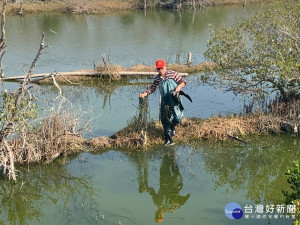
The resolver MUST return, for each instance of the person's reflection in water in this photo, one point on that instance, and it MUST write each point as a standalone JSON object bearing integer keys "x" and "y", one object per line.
{"x": 167, "y": 199}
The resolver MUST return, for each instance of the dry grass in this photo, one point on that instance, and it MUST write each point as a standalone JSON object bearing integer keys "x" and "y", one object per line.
{"x": 191, "y": 129}
{"x": 231, "y": 2}
{"x": 48, "y": 141}
{"x": 53, "y": 138}
{"x": 112, "y": 72}
{"x": 71, "y": 6}
{"x": 176, "y": 67}
{"x": 36, "y": 8}
{"x": 143, "y": 68}
{"x": 95, "y": 6}
{"x": 289, "y": 111}
{"x": 191, "y": 68}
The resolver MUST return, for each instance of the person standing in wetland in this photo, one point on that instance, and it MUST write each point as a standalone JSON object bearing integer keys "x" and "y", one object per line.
{"x": 171, "y": 111}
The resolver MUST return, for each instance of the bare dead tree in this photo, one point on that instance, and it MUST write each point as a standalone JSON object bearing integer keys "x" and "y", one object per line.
{"x": 3, "y": 37}
{"x": 50, "y": 140}
{"x": 21, "y": 91}
{"x": 9, "y": 128}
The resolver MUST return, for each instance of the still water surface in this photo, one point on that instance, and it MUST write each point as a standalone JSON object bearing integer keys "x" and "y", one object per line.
{"x": 138, "y": 37}
{"x": 192, "y": 184}
{"x": 79, "y": 41}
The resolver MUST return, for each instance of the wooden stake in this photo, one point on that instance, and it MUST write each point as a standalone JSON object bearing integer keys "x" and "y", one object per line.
{"x": 189, "y": 60}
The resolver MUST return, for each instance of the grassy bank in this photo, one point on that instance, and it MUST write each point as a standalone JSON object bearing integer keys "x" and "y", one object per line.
{"x": 57, "y": 135}
{"x": 281, "y": 118}
{"x": 190, "y": 130}
{"x": 77, "y": 7}
{"x": 96, "y": 6}
{"x": 53, "y": 138}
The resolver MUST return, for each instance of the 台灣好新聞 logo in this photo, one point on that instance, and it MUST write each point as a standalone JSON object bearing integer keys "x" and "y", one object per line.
{"x": 233, "y": 211}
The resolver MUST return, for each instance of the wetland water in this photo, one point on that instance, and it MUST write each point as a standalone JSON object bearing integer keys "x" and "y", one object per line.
{"x": 191, "y": 184}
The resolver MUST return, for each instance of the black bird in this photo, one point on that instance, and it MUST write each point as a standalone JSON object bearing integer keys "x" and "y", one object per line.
{"x": 176, "y": 97}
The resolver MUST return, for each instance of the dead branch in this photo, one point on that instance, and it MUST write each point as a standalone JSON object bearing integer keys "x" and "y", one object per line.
{"x": 22, "y": 89}
{"x": 42, "y": 47}
{"x": 3, "y": 37}
{"x": 11, "y": 171}
{"x": 56, "y": 85}
{"x": 108, "y": 57}
{"x": 104, "y": 63}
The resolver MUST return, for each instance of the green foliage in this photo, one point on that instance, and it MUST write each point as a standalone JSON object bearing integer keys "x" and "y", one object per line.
{"x": 297, "y": 204}
{"x": 260, "y": 54}
{"x": 293, "y": 178}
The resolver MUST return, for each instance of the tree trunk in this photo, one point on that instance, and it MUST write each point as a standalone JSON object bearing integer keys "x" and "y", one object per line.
{"x": 194, "y": 4}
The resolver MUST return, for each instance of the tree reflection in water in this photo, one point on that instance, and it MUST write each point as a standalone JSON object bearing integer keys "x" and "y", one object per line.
{"x": 257, "y": 168}
{"x": 22, "y": 202}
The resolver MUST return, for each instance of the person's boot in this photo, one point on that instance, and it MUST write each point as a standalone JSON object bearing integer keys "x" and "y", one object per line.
{"x": 168, "y": 139}
{"x": 173, "y": 132}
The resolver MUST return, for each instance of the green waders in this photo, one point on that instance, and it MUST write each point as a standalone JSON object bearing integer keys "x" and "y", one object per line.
{"x": 170, "y": 112}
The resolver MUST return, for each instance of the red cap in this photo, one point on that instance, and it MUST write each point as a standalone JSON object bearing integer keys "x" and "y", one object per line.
{"x": 160, "y": 63}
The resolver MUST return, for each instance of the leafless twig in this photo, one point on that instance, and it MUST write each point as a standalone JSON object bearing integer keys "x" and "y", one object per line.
{"x": 56, "y": 85}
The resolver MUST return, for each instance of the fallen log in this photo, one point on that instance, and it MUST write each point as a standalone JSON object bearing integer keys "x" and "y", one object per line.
{"x": 87, "y": 73}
